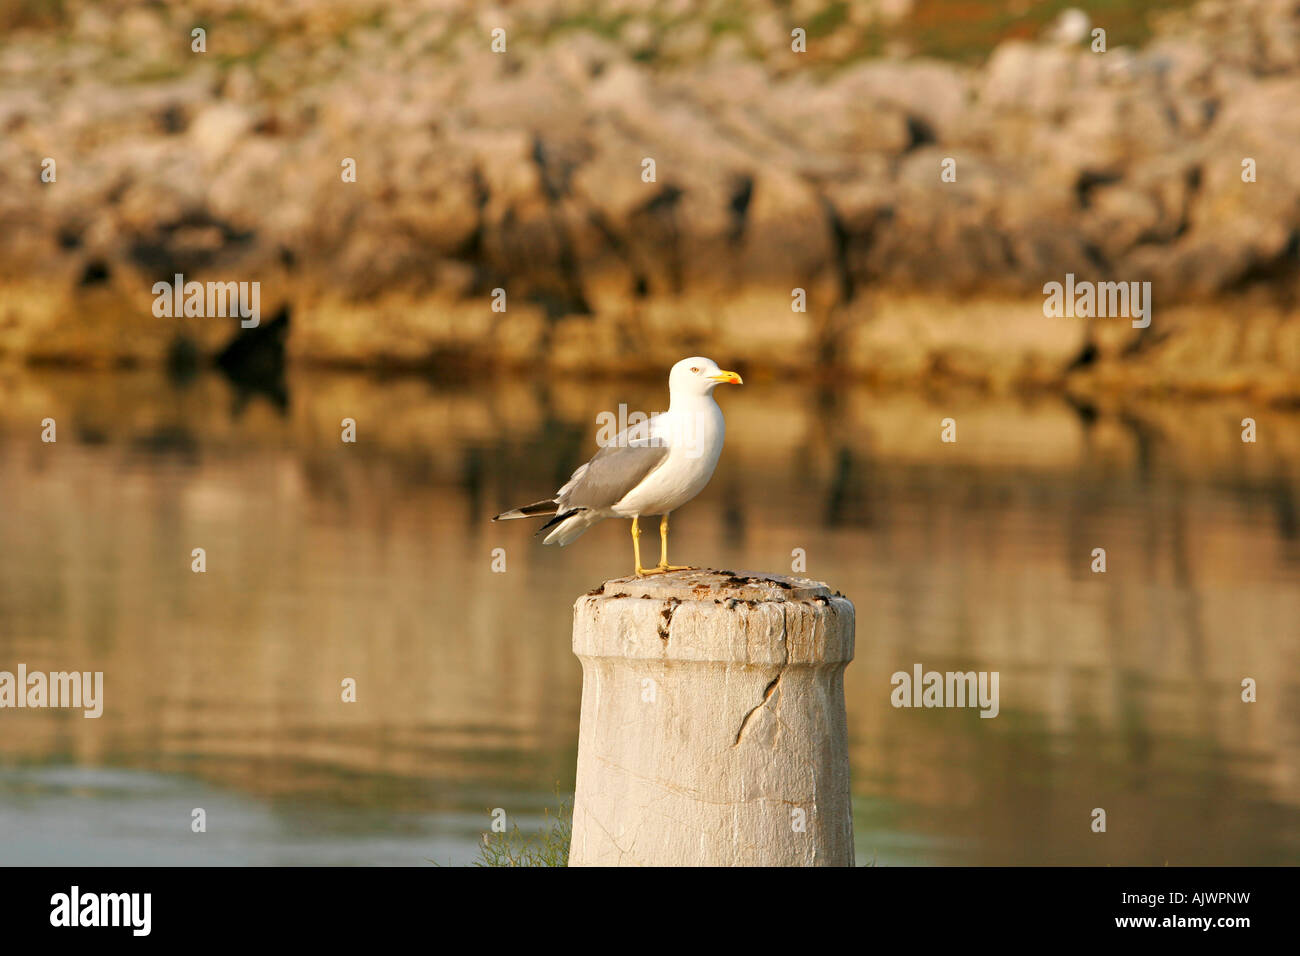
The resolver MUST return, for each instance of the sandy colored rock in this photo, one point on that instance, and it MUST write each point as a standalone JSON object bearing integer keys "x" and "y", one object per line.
{"x": 523, "y": 171}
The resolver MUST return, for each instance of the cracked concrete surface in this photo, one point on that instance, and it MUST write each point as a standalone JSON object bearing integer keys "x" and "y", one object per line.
{"x": 714, "y": 734}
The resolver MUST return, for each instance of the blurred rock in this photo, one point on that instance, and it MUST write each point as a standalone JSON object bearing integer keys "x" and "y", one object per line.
{"x": 524, "y": 171}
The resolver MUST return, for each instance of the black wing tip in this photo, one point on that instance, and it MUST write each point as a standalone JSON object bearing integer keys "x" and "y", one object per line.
{"x": 536, "y": 509}
{"x": 560, "y": 516}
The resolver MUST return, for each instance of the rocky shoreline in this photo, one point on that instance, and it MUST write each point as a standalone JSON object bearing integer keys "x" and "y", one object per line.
{"x": 523, "y": 171}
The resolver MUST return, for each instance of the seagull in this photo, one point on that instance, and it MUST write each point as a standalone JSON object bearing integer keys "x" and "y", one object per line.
{"x": 650, "y": 468}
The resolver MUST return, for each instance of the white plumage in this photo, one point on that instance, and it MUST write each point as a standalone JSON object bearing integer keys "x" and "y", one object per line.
{"x": 651, "y": 468}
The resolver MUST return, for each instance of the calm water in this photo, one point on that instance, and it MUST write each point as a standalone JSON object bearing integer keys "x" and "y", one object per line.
{"x": 374, "y": 561}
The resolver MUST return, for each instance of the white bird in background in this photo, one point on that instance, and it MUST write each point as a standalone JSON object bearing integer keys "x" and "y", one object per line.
{"x": 651, "y": 468}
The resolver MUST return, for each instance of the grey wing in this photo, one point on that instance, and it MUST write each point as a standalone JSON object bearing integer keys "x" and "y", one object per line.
{"x": 614, "y": 471}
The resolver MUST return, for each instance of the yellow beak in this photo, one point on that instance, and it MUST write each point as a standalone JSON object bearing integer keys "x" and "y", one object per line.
{"x": 727, "y": 378}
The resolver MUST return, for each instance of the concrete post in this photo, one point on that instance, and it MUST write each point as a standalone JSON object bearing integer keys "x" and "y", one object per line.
{"x": 713, "y": 729}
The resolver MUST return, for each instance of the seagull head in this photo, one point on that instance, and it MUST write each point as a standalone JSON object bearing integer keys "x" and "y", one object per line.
{"x": 698, "y": 376}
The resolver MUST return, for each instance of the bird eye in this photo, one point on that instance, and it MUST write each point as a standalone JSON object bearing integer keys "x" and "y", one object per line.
{"x": 696, "y": 371}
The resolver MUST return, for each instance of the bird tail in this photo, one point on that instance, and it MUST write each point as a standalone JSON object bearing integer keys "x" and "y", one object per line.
{"x": 569, "y": 526}
{"x": 548, "y": 507}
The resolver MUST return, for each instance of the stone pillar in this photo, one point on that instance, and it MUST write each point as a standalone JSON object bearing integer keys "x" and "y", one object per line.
{"x": 713, "y": 729}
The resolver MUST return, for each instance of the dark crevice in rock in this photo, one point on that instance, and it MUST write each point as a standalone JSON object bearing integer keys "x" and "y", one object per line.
{"x": 554, "y": 174}
{"x": 1085, "y": 409}
{"x": 1088, "y": 355}
{"x": 657, "y": 222}
{"x": 471, "y": 250}
{"x": 569, "y": 298}
{"x": 1088, "y": 181}
{"x": 919, "y": 133}
{"x": 1096, "y": 257}
{"x": 96, "y": 272}
{"x": 741, "y": 195}
{"x": 172, "y": 120}
{"x": 1144, "y": 340}
{"x": 840, "y": 245}
{"x": 1010, "y": 261}
{"x": 827, "y": 332}
{"x": 664, "y": 201}
{"x": 1285, "y": 265}
{"x": 69, "y": 236}
{"x": 253, "y": 361}
{"x": 167, "y": 250}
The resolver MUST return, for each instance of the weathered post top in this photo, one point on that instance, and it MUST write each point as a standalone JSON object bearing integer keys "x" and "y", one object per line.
{"x": 697, "y": 596}
{"x": 713, "y": 729}
{"x": 710, "y": 583}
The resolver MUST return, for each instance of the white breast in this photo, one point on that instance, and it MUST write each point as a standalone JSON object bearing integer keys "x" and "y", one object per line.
{"x": 694, "y": 435}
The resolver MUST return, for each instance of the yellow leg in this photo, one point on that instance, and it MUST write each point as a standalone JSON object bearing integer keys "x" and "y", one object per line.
{"x": 636, "y": 548}
{"x": 663, "y": 551}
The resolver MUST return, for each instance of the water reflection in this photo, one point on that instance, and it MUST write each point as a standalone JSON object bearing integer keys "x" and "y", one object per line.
{"x": 373, "y": 561}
